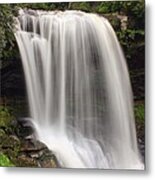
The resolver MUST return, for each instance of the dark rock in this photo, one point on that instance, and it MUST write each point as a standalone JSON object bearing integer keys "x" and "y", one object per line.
{"x": 32, "y": 146}
{"x": 24, "y": 127}
{"x": 25, "y": 121}
{"x": 48, "y": 159}
{"x": 11, "y": 142}
{"x": 24, "y": 161}
{"x": 36, "y": 155}
{"x": 38, "y": 151}
{"x": 23, "y": 149}
{"x": 50, "y": 163}
{"x": 140, "y": 127}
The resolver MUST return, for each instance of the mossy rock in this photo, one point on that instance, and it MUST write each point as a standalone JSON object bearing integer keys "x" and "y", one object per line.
{"x": 48, "y": 160}
{"x": 10, "y": 146}
{"x": 9, "y": 142}
{"x": 37, "y": 153}
{"x": 23, "y": 152}
{"x": 49, "y": 163}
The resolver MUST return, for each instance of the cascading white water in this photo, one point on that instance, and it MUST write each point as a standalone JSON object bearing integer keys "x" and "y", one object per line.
{"x": 78, "y": 88}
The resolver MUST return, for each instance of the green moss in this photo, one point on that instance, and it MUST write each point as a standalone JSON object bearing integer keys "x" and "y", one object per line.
{"x": 4, "y": 161}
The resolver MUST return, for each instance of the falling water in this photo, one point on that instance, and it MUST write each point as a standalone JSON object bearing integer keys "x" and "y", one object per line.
{"x": 78, "y": 87}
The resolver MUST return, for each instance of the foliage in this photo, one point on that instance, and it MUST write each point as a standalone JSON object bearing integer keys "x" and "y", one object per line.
{"x": 136, "y": 13}
{"x": 133, "y": 9}
{"x": 44, "y": 6}
{"x": 140, "y": 112}
{"x": 5, "y": 116}
{"x": 131, "y": 40}
{"x": 4, "y": 161}
{"x": 83, "y": 6}
{"x": 7, "y": 40}
{"x": 108, "y": 7}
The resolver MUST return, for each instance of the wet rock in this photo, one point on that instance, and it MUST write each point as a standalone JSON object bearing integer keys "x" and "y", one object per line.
{"x": 23, "y": 149}
{"x": 48, "y": 159}
{"x": 140, "y": 127}
{"x": 24, "y": 127}
{"x": 32, "y": 146}
{"x": 50, "y": 163}
{"x": 36, "y": 155}
{"x": 38, "y": 151}
{"x": 24, "y": 161}
{"x": 11, "y": 142}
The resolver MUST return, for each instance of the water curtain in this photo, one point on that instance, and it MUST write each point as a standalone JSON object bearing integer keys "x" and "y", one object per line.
{"x": 78, "y": 87}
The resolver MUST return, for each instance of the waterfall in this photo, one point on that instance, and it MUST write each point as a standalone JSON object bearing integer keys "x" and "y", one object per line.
{"x": 78, "y": 87}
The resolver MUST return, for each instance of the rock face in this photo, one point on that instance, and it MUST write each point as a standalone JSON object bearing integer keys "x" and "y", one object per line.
{"x": 23, "y": 127}
{"x": 33, "y": 153}
{"x": 23, "y": 149}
